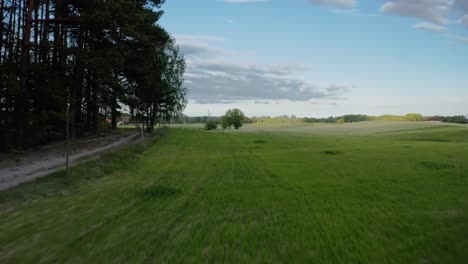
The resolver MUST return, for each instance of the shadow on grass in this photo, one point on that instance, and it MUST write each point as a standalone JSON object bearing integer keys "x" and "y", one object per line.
{"x": 437, "y": 166}
{"x": 159, "y": 192}
{"x": 58, "y": 184}
{"x": 331, "y": 152}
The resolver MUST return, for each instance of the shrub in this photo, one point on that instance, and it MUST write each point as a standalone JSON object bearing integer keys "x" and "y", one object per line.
{"x": 414, "y": 117}
{"x": 235, "y": 117}
{"x": 211, "y": 125}
{"x": 340, "y": 121}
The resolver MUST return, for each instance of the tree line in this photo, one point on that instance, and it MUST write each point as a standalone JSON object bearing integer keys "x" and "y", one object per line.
{"x": 83, "y": 61}
{"x": 184, "y": 119}
{"x": 408, "y": 117}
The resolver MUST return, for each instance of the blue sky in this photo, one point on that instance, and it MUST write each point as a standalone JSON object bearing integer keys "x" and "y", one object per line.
{"x": 323, "y": 57}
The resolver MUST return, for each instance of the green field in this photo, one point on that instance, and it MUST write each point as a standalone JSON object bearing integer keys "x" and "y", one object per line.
{"x": 375, "y": 192}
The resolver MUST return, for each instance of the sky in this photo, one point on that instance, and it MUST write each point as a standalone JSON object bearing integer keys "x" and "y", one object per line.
{"x": 319, "y": 58}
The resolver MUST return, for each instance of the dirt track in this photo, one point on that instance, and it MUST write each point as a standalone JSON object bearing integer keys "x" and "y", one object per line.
{"x": 33, "y": 164}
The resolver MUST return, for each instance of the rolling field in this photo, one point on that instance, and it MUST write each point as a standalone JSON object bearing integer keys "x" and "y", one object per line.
{"x": 375, "y": 192}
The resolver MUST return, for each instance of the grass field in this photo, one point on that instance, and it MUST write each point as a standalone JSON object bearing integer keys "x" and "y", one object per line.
{"x": 359, "y": 193}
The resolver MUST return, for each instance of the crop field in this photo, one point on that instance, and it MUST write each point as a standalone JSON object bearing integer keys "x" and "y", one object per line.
{"x": 372, "y": 192}
{"x": 360, "y": 128}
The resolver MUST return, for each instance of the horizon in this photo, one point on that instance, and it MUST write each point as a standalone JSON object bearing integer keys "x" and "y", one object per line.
{"x": 323, "y": 57}
{"x": 302, "y": 117}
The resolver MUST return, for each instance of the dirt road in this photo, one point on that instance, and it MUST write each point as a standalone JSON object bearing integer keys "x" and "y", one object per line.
{"x": 17, "y": 169}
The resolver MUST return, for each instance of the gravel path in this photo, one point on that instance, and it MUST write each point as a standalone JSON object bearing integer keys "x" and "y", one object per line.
{"x": 40, "y": 162}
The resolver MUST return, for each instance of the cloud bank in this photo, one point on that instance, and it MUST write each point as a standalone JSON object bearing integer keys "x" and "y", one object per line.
{"x": 210, "y": 79}
{"x": 335, "y": 3}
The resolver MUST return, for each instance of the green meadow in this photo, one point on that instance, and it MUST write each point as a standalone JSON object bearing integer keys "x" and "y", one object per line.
{"x": 372, "y": 192}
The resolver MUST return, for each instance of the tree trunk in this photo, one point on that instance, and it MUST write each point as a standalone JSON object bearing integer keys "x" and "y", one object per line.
{"x": 114, "y": 114}
{"x": 22, "y": 100}
{"x": 2, "y": 7}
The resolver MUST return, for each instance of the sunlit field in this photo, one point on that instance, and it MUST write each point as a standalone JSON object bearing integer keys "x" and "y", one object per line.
{"x": 360, "y": 128}
{"x": 372, "y": 192}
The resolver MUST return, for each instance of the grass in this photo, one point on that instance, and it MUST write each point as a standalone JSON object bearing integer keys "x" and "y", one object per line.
{"x": 347, "y": 129}
{"x": 195, "y": 196}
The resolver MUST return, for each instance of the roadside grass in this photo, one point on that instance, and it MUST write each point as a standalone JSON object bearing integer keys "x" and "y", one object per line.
{"x": 58, "y": 183}
{"x": 197, "y": 196}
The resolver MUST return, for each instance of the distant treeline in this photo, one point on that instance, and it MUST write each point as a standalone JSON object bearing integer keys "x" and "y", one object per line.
{"x": 450, "y": 119}
{"x": 408, "y": 117}
{"x": 201, "y": 119}
{"x": 332, "y": 119}
{"x": 339, "y": 119}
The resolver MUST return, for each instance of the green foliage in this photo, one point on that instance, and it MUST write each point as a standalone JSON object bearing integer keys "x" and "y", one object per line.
{"x": 235, "y": 118}
{"x": 100, "y": 55}
{"x": 355, "y": 118}
{"x": 211, "y": 125}
{"x": 330, "y": 119}
{"x": 225, "y": 124}
{"x": 340, "y": 121}
{"x": 455, "y": 119}
{"x": 408, "y": 117}
{"x": 414, "y": 117}
{"x": 248, "y": 120}
{"x": 388, "y": 118}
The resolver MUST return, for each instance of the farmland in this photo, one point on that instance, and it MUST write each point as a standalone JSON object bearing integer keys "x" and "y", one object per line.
{"x": 372, "y": 192}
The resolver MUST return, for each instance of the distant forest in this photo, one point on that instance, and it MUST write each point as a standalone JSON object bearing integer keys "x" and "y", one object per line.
{"x": 183, "y": 119}
{"x": 408, "y": 117}
{"x": 81, "y": 61}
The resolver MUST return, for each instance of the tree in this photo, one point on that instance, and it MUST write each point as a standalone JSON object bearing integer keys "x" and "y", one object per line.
{"x": 414, "y": 117}
{"x": 88, "y": 56}
{"x": 225, "y": 122}
{"x": 455, "y": 119}
{"x": 235, "y": 118}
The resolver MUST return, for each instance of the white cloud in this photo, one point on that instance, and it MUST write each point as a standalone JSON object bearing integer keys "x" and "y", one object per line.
{"x": 353, "y": 12}
{"x": 200, "y": 45}
{"x": 461, "y": 6}
{"x": 438, "y": 14}
{"x": 367, "y": 104}
{"x": 429, "y": 27}
{"x": 464, "y": 21}
{"x": 335, "y": 3}
{"x": 462, "y": 39}
{"x": 222, "y": 82}
{"x": 209, "y": 78}
{"x": 436, "y": 11}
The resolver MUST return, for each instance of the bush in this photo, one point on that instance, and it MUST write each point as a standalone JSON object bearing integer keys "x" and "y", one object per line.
{"x": 211, "y": 125}
{"x": 234, "y": 117}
